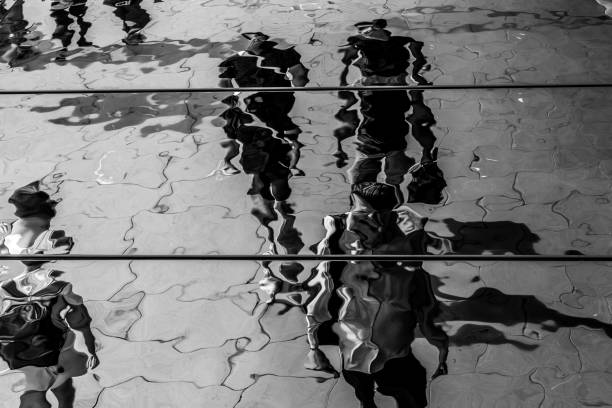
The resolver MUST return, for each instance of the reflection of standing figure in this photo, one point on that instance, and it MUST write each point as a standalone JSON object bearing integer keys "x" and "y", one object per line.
{"x": 14, "y": 34}
{"x": 382, "y": 58}
{"x": 264, "y": 65}
{"x": 371, "y": 309}
{"x": 31, "y": 232}
{"x": 37, "y": 319}
{"x": 268, "y": 159}
{"x": 63, "y": 13}
{"x": 350, "y": 122}
{"x": 38, "y": 313}
{"x": 134, "y": 18}
{"x": 381, "y": 135}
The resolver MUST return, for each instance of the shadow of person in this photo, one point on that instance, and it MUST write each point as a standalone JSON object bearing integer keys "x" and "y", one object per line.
{"x": 120, "y": 111}
{"x": 164, "y": 53}
{"x": 492, "y": 306}
{"x": 493, "y": 237}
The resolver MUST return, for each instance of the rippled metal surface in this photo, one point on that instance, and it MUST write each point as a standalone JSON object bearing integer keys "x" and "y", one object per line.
{"x": 347, "y": 172}
{"x": 146, "y": 43}
{"x": 175, "y": 333}
{"x": 526, "y": 171}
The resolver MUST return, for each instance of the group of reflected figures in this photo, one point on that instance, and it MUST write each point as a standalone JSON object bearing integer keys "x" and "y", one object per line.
{"x": 21, "y": 42}
{"x": 369, "y": 310}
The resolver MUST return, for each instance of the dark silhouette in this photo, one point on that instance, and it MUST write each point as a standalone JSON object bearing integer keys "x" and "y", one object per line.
{"x": 382, "y": 58}
{"x": 15, "y": 35}
{"x": 388, "y": 116}
{"x": 264, "y": 65}
{"x": 267, "y": 159}
{"x": 64, "y": 14}
{"x": 37, "y": 338}
{"x": 134, "y": 18}
{"x": 490, "y": 305}
{"x": 493, "y": 237}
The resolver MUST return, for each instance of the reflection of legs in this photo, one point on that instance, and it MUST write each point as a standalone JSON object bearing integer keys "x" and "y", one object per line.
{"x": 405, "y": 380}
{"x": 134, "y": 18}
{"x": 363, "y": 384}
{"x": 79, "y": 12}
{"x": 34, "y": 399}
{"x": 65, "y": 394}
{"x": 62, "y": 23}
{"x": 365, "y": 168}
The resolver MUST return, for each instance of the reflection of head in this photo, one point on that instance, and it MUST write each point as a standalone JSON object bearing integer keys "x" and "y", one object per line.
{"x": 374, "y": 29}
{"x": 379, "y": 196}
{"x": 259, "y": 42}
{"x": 31, "y": 201}
{"x": 377, "y": 24}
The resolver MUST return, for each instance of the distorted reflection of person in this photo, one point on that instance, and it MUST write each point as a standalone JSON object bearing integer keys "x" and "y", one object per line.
{"x": 370, "y": 309}
{"x": 31, "y": 232}
{"x": 65, "y": 13}
{"x": 427, "y": 181}
{"x": 134, "y": 18}
{"x": 39, "y": 313}
{"x": 267, "y": 159}
{"x": 383, "y": 58}
{"x": 16, "y": 35}
{"x": 262, "y": 64}
{"x": 38, "y": 320}
{"x": 387, "y": 117}
{"x": 375, "y": 307}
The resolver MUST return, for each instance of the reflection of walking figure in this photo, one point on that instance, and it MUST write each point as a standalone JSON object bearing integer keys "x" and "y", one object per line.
{"x": 383, "y": 58}
{"x": 267, "y": 159}
{"x": 39, "y": 312}
{"x": 65, "y": 13}
{"x": 381, "y": 135}
{"x": 371, "y": 309}
{"x": 134, "y": 18}
{"x": 37, "y": 319}
{"x": 15, "y": 34}
{"x": 264, "y": 65}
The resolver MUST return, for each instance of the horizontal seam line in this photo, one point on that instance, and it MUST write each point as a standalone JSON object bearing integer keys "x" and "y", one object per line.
{"x": 304, "y": 89}
{"x": 399, "y": 257}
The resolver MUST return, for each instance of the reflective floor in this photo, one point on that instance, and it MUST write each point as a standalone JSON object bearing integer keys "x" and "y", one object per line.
{"x": 351, "y": 171}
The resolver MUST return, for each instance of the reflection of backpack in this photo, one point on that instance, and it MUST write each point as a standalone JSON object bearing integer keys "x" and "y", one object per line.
{"x": 28, "y": 335}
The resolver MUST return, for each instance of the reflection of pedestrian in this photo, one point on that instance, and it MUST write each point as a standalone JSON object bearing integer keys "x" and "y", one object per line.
{"x": 371, "y": 309}
{"x": 14, "y": 34}
{"x": 264, "y": 65}
{"x": 134, "y": 18}
{"x": 387, "y": 117}
{"x": 31, "y": 232}
{"x": 383, "y": 58}
{"x": 37, "y": 319}
{"x": 65, "y": 13}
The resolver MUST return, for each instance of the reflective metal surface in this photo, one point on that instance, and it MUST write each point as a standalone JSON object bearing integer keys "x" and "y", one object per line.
{"x": 527, "y": 171}
{"x": 146, "y": 43}
{"x": 302, "y": 171}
